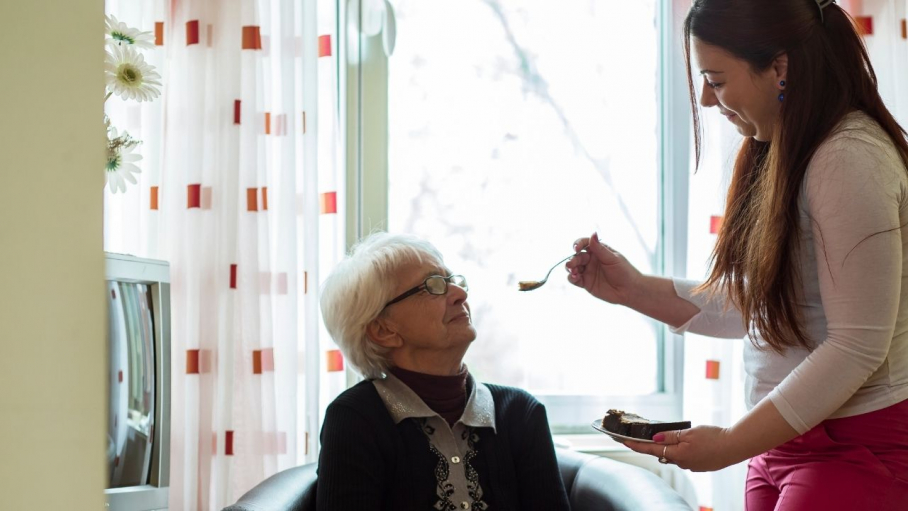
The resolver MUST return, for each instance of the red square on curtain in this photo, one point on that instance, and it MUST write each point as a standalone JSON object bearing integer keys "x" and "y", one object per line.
{"x": 192, "y": 361}
{"x": 256, "y": 361}
{"x": 715, "y": 223}
{"x": 159, "y": 33}
{"x": 192, "y": 32}
{"x": 193, "y": 196}
{"x": 904, "y": 28}
{"x": 327, "y": 203}
{"x": 236, "y": 111}
{"x": 232, "y": 276}
{"x": 119, "y": 376}
{"x": 267, "y": 123}
{"x": 335, "y": 361}
{"x": 264, "y": 198}
{"x": 705, "y": 508}
{"x": 252, "y": 37}
{"x": 228, "y": 443}
{"x": 324, "y": 45}
{"x": 153, "y": 199}
{"x": 712, "y": 369}
{"x": 865, "y": 24}
{"x": 252, "y": 202}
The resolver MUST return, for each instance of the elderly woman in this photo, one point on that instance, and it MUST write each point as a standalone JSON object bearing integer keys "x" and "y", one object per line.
{"x": 420, "y": 433}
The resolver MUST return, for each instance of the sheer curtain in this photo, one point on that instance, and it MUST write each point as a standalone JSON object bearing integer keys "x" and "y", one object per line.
{"x": 241, "y": 191}
{"x": 714, "y": 373}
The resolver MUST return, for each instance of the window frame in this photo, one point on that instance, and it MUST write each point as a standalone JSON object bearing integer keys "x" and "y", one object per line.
{"x": 365, "y": 113}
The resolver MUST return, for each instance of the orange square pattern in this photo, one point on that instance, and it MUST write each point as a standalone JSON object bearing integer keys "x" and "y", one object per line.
{"x": 904, "y": 28}
{"x": 154, "y": 198}
{"x": 712, "y": 369}
{"x": 232, "y": 276}
{"x": 324, "y": 45}
{"x": 228, "y": 447}
{"x": 194, "y": 196}
{"x": 252, "y": 37}
{"x": 192, "y": 361}
{"x": 335, "y": 361}
{"x": 236, "y": 111}
{"x": 262, "y": 360}
{"x": 252, "y": 201}
{"x": 267, "y": 123}
{"x": 159, "y": 33}
{"x": 715, "y": 223}
{"x": 192, "y": 32}
{"x": 865, "y": 24}
{"x": 264, "y": 198}
{"x": 327, "y": 203}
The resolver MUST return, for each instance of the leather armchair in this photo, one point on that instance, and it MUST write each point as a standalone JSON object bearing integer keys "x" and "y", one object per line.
{"x": 593, "y": 483}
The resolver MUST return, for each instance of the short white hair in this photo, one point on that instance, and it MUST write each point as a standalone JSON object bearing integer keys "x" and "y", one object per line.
{"x": 356, "y": 291}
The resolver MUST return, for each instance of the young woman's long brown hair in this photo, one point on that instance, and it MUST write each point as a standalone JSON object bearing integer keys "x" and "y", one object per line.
{"x": 829, "y": 75}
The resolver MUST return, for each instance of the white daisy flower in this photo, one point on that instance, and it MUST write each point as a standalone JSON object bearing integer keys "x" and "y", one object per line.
{"x": 121, "y": 161}
{"x": 129, "y": 76}
{"x": 122, "y": 35}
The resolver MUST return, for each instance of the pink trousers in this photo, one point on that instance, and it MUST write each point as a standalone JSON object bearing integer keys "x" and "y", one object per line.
{"x": 853, "y": 463}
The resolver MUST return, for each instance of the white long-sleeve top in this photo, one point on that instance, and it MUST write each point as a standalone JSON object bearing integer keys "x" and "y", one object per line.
{"x": 854, "y": 287}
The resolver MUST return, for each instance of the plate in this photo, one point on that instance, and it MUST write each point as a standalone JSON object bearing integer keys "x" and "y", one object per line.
{"x": 597, "y": 425}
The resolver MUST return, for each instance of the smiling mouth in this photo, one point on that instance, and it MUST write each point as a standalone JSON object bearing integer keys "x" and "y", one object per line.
{"x": 459, "y": 317}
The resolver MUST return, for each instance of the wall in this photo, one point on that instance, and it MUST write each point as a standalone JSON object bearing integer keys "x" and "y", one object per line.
{"x": 52, "y": 317}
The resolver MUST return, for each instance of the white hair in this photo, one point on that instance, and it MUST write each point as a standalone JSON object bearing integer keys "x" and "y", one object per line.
{"x": 356, "y": 291}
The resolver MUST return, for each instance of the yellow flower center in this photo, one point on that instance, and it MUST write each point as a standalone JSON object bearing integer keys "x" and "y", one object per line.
{"x": 129, "y": 75}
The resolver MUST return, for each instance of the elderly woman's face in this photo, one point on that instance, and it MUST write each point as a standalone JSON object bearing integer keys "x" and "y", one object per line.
{"x": 431, "y": 322}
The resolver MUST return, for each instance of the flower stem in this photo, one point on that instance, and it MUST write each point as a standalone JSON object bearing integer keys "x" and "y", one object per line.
{"x": 107, "y": 96}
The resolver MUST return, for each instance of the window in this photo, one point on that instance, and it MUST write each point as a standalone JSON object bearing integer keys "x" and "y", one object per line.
{"x": 512, "y": 130}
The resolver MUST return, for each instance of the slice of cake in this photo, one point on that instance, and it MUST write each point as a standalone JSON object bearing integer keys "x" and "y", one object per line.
{"x": 634, "y": 426}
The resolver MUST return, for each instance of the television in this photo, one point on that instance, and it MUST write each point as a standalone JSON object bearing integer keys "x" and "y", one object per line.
{"x": 138, "y": 421}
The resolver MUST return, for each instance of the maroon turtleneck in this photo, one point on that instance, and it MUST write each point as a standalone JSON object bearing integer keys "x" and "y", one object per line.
{"x": 445, "y": 395}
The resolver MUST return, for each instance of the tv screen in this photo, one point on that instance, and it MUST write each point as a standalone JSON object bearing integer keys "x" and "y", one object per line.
{"x": 138, "y": 429}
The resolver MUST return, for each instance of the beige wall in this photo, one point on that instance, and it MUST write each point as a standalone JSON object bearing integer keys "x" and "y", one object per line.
{"x": 52, "y": 318}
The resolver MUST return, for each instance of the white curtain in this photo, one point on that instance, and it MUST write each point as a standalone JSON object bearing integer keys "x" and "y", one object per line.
{"x": 714, "y": 373}
{"x": 241, "y": 191}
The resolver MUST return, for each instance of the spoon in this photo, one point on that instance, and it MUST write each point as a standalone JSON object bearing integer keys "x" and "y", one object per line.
{"x": 529, "y": 285}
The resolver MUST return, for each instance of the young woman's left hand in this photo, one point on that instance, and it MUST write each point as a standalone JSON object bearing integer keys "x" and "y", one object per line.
{"x": 699, "y": 449}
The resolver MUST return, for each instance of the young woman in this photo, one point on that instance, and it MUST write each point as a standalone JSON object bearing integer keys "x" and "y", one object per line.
{"x": 811, "y": 263}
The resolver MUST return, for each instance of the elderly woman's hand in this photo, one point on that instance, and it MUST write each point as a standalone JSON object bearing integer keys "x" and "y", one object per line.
{"x": 699, "y": 449}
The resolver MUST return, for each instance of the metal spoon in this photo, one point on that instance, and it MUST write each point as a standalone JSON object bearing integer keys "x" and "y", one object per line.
{"x": 529, "y": 285}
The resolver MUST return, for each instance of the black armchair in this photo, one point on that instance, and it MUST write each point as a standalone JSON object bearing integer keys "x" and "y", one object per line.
{"x": 593, "y": 483}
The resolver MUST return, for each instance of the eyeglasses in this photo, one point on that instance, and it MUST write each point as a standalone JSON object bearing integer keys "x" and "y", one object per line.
{"x": 434, "y": 285}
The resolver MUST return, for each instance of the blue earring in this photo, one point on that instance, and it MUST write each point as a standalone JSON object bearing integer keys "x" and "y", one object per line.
{"x": 782, "y": 83}
{"x": 782, "y": 97}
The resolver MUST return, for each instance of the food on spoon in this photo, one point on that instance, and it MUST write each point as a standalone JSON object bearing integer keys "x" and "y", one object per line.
{"x": 634, "y": 426}
{"x": 529, "y": 285}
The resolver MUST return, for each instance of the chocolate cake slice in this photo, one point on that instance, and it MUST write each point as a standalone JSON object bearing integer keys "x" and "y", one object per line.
{"x": 634, "y": 426}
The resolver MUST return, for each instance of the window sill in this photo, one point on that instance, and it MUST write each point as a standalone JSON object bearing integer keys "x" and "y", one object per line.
{"x": 592, "y": 444}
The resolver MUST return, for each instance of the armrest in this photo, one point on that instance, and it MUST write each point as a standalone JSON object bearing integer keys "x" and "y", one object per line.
{"x": 289, "y": 490}
{"x": 597, "y": 483}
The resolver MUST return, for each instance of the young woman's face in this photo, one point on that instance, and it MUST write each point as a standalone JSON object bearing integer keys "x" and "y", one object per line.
{"x": 748, "y": 100}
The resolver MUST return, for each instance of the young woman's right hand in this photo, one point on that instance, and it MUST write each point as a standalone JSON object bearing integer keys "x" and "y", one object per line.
{"x": 603, "y": 272}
